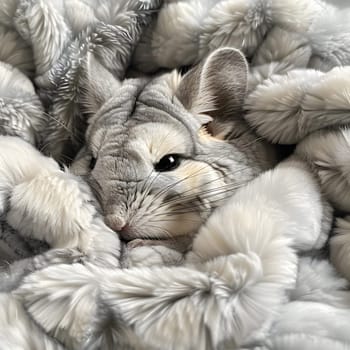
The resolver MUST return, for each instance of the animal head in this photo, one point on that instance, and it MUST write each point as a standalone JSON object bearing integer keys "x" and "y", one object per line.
{"x": 161, "y": 153}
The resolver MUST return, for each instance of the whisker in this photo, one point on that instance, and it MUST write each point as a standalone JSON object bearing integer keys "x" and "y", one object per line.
{"x": 160, "y": 229}
{"x": 173, "y": 219}
{"x": 65, "y": 127}
{"x": 148, "y": 182}
{"x": 65, "y": 157}
{"x": 180, "y": 197}
{"x": 44, "y": 147}
{"x": 59, "y": 122}
{"x": 146, "y": 185}
{"x": 146, "y": 193}
{"x": 167, "y": 188}
{"x": 188, "y": 206}
{"x": 161, "y": 192}
{"x": 257, "y": 139}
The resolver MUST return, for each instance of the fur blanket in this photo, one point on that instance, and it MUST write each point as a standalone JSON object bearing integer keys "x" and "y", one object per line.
{"x": 267, "y": 270}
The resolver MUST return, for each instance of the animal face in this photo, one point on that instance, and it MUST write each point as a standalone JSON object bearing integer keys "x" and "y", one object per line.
{"x": 155, "y": 164}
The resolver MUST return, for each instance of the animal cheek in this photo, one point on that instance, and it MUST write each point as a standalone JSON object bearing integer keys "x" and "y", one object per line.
{"x": 191, "y": 174}
{"x": 196, "y": 176}
{"x": 169, "y": 221}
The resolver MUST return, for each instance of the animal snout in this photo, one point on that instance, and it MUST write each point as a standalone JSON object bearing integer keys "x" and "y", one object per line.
{"x": 115, "y": 222}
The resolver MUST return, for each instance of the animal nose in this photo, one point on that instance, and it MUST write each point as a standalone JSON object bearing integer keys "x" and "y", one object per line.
{"x": 115, "y": 222}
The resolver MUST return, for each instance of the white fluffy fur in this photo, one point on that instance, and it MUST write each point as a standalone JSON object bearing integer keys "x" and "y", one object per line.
{"x": 234, "y": 282}
{"x": 286, "y": 194}
{"x": 15, "y": 51}
{"x": 48, "y": 204}
{"x": 327, "y": 327}
{"x": 18, "y": 332}
{"x": 44, "y": 21}
{"x": 19, "y": 163}
{"x": 328, "y": 153}
{"x": 21, "y": 110}
{"x": 317, "y": 316}
{"x": 202, "y": 26}
{"x": 286, "y": 108}
{"x": 243, "y": 284}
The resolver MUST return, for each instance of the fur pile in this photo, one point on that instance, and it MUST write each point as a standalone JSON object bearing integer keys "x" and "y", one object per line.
{"x": 258, "y": 274}
{"x": 53, "y": 42}
{"x": 44, "y": 58}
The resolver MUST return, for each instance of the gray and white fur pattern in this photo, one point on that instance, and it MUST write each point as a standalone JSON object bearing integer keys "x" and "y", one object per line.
{"x": 245, "y": 281}
{"x": 139, "y": 126}
{"x": 234, "y": 261}
{"x": 22, "y": 113}
{"x": 44, "y": 54}
{"x": 275, "y": 35}
{"x": 52, "y": 40}
{"x": 30, "y": 182}
{"x": 246, "y": 252}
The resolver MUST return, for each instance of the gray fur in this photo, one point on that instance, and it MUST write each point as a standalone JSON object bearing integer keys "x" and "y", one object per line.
{"x": 21, "y": 112}
{"x": 130, "y": 190}
{"x": 53, "y": 43}
{"x": 107, "y": 30}
{"x": 319, "y": 29}
{"x": 11, "y": 275}
{"x": 286, "y": 108}
{"x": 242, "y": 284}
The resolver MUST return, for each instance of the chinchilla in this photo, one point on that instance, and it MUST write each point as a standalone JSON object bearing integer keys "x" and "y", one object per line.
{"x": 162, "y": 152}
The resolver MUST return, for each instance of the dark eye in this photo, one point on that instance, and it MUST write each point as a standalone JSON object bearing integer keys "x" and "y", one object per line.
{"x": 168, "y": 163}
{"x": 92, "y": 163}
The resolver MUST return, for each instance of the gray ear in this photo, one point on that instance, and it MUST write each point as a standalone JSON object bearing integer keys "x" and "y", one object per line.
{"x": 100, "y": 84}
{"x": 217, "y": 87}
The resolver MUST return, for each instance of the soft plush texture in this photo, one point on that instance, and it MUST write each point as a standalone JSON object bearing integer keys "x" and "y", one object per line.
{"x": 268, "y": 270}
